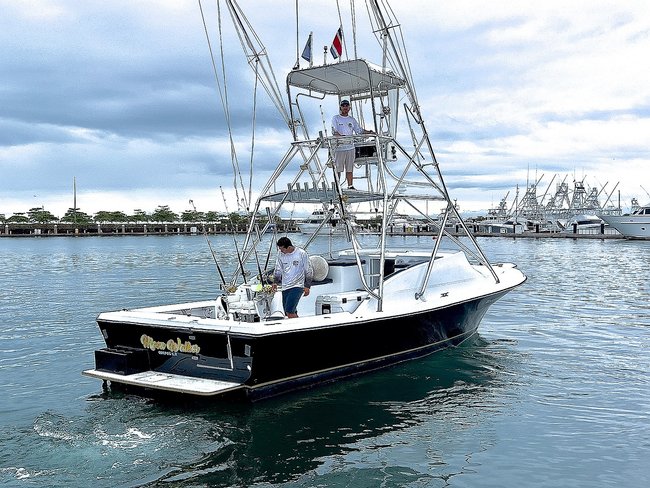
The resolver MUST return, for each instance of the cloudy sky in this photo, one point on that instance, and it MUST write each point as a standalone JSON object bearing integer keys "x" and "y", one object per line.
{"x": 120, "y": 95}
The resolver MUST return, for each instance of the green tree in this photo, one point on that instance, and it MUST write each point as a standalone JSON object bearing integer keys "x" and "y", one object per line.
{"x": 235, "y": 219}
{"x": 163, "y": 214}
{"x": 192, "y": 216}
{"x": 110, "y": 216}
{"x": 140, "y": 216}
{"x": 212, "y": 216}
{"x": 76, "y": 216}
{"x": 40, "y": 215}
{"x": 17, "y": 218}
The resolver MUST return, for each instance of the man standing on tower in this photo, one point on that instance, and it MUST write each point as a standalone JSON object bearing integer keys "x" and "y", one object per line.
{"x": 343, "y": 124}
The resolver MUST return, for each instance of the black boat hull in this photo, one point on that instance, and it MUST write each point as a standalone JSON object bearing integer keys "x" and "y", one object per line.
{"x": 275, "y": 362}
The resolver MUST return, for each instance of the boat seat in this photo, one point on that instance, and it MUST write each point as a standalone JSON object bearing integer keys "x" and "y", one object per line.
{"x": 344, "y": 262}
{"x": 407, "y": 262}
{"x": 322, "y": 282}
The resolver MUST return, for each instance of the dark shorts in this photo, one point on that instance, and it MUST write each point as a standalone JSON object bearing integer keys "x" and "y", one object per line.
{"x": 290, "y": 299}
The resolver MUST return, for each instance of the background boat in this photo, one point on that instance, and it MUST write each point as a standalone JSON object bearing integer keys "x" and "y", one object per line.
{"x": 635, "y": 225}
{"x": 322, "y": 223}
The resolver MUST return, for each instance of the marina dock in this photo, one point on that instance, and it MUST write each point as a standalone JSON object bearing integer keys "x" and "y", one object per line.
{"x": 193, "y": 228}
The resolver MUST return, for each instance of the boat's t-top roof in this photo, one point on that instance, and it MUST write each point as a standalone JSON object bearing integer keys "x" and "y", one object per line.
{"x": 345, "y": 78}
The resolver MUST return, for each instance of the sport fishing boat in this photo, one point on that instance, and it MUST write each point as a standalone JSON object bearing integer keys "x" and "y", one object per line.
{"x": 635, "y": 225}
{"x": 581, "y": 224}
{"x": 370, "y": 306}
{"x": 324, "y": 222}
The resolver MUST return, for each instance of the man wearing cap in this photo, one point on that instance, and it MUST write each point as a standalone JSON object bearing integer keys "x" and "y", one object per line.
{"x": 294, "y": 270}
{"x": 343, "y": 124}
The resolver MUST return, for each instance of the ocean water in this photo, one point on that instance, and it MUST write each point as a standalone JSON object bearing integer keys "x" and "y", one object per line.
{"x": 554, "y": 390}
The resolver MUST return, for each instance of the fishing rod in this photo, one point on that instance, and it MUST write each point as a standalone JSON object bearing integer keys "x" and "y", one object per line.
{"x": 214, "y": 257}
{"x": 268, "y": 254}
{"x": 234, "y": 238}
{"x": 257, "y": 258}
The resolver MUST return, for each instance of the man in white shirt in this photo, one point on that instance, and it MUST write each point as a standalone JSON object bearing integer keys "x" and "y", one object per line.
{"x": 293, "y": 269}
{"x": 343, "y": 124}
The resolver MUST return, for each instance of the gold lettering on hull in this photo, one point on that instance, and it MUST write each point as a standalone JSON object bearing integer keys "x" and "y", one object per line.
{"x": 172, "y": 345}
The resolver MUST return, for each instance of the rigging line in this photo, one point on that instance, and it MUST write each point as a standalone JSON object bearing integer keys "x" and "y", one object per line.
{"x": 224, "y": 103}
{"x": 380, "y": 27}
{"x": 407, "y": 63}
{"x": 234, "y": 240}
{"x": 248, "y": 39}
{"x": 254, "y": 122}
{"x": 293, "y": 209}
{"x": 214, "y": 256}
{"x": 338, "y": 9}
{"x": 297, "y": 39}
{"x": 249, "y": 235}
{"x": 257, "y": 258}
{"x": 401, "y": 58}
{"x": 233, "y": 150}
{"x": 275, "y": 229}
{"x": 353, "y": 18}
{"x": 207, "y": 37}
{"x": 252, "y": 239}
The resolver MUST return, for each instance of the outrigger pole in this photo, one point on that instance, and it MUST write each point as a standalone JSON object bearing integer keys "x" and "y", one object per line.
{"x": 256, "y": 52}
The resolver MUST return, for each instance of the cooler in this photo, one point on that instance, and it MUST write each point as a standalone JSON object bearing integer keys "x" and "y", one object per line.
{"x": 347, "y": 301}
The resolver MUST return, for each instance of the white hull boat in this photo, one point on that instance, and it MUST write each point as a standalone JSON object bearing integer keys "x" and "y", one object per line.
{"x": 583, "y": 223}
{"x": 370, "y": 306}
{"x": 633, "y": 226}
{"x": 324, "y": 223}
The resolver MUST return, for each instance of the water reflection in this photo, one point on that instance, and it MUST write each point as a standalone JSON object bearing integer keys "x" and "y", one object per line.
{"x": 282, "y": 439}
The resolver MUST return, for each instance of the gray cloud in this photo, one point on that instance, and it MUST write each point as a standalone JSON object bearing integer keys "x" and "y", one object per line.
{"x": 122, "y": 96}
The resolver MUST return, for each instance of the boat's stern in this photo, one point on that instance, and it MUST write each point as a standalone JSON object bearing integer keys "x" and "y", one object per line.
{"x": 178, "y": 348}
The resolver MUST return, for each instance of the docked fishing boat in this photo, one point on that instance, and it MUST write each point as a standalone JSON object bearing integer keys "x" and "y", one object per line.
{"x": 324, "y": 222}
{"x": 634, "y": 226}
{"x": 509, "y": 226}
{"x": 370, "y": 306}
{"x": 581, "y": 224}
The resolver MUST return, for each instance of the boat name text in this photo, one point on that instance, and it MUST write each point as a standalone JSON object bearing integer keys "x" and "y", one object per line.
{"x": 171, "y": 345}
